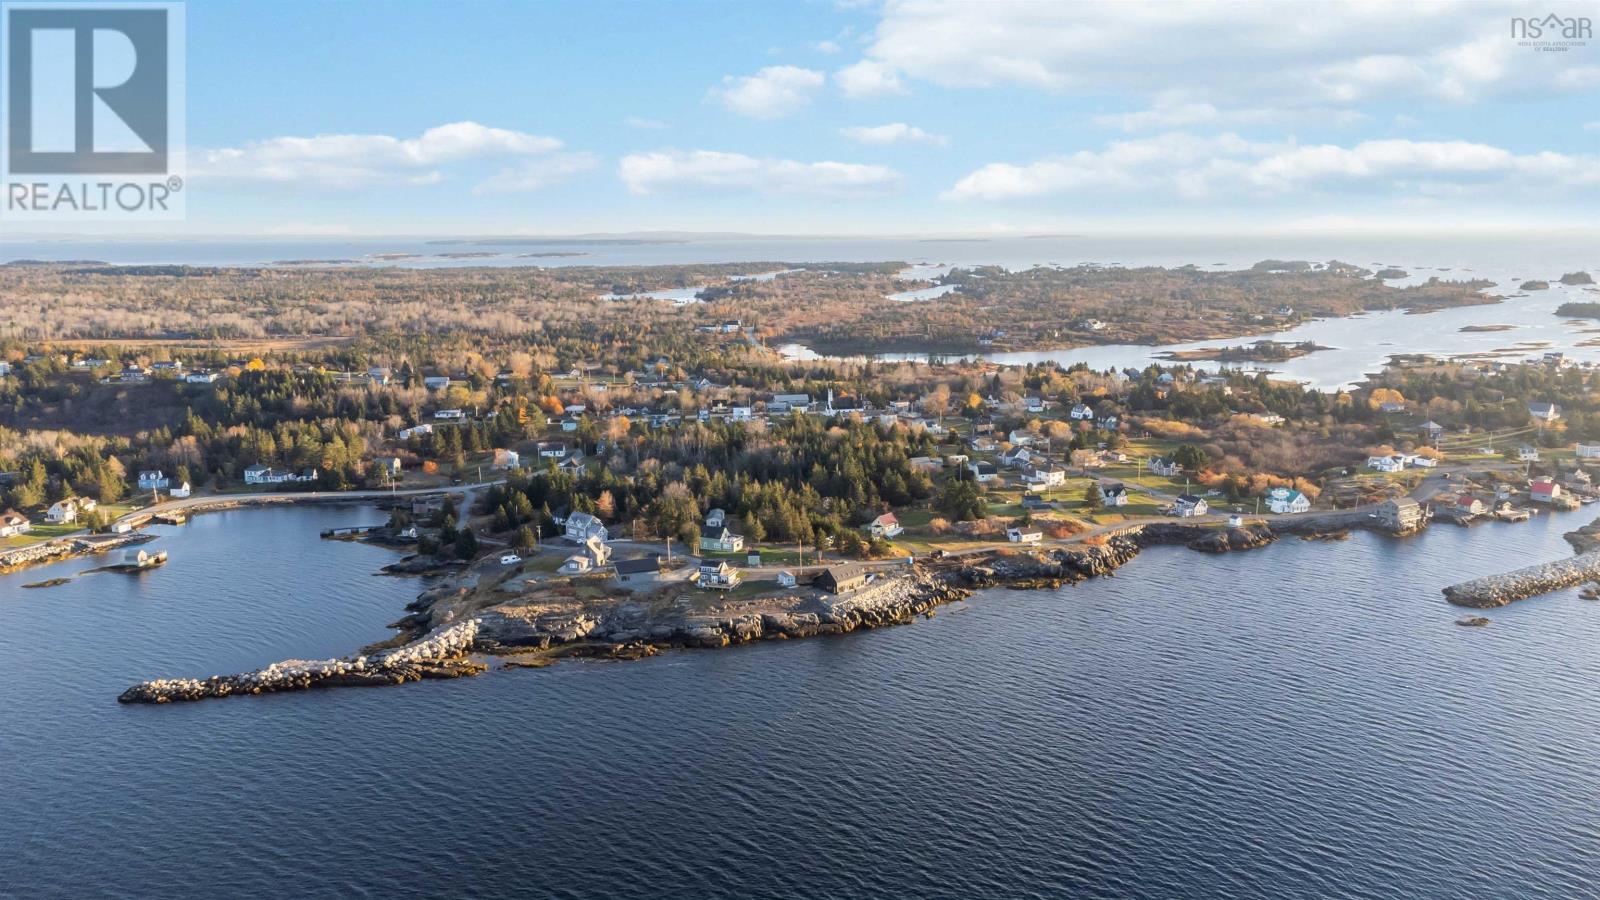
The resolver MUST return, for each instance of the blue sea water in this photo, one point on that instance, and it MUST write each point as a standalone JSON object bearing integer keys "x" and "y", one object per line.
{"x": 1299, "y": 721}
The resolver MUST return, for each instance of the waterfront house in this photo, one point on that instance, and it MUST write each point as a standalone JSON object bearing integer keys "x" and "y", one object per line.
{"x": 720, "y": 539}
{"x": 581, "y": 526}
{"x": 717, "y": 575}
{"x": 1283, "y": 500}
{"x": 885, "y": 526}
{"x": 983, "y": 471}
{"x": 636, "y": 572}
{"x": 181, "y": 491}
{"x": 257, "y": 474}
{"x": 1544, "y": 490}
{"x": 1164, "y": 466}
{"x": 153, "y": 480}
{"x": 841, "y": 579}
{"x": 13, "y": 523}
{"x": 1024, "y": 535}
{"x": 1468, "y": 506}
{"x": 1113, "y": 493}
{"x": 1188, "y": 505}
{"x": 1400, "y": 514}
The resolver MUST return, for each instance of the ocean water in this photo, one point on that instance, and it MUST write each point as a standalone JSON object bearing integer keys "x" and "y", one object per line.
{"x": 1299, "y": 721}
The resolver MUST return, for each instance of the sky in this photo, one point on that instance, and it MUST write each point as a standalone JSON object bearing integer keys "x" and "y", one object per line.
{"x": 898, "y": 117}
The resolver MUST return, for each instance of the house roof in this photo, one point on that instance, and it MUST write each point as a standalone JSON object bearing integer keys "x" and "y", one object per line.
{"x": 886, "y": 519}
{"x": 638, "y": 566}
{"x": 1190, "y": 499}
{"x": 841, "y": 574}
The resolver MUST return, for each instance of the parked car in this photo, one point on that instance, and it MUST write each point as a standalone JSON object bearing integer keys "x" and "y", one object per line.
{"x": 510, "y": 559}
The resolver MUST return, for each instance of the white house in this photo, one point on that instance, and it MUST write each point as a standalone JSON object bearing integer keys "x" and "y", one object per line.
{"x": 1385, "y": 463}
{"x": 1019, "y": 535}
{"x": 1163, "y": 466}
{"x": 1047, "y": 475}
{"x": 983, "y": 471}
{"x": 1527, "y": 453}
{"x": 506, "y": 459}
{"x": 1287, "y": 500}
{"x": 1190, "y": 505}
{"x": 450, "y": 415}
{"x": 14, "y": 523}
{"x": 62, "y": 512}
{"x": 741, "y": 414}
{"x": 1544, "y": 490}
{"x": 716, "y": 518}
{"x": 1081, "y": 413}
{"x": 1113, "y": 493}
{"x": 436, "y": 382}
{"x": 786, "y": 579}
{"x": 406, "y": 434}
{"x": 552, "y": 449}
{"x": 1588, "y": 451}
{"x": 719, "y": 538}
{"x": 181, "y": 491}
{"x": 1544, "y": 412}
{"x": 885, "y": 526}
{"x": 390, "y": 464}
{"x": 201, "y": 377}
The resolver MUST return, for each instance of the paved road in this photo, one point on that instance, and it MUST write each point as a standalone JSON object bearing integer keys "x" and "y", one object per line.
{"x": 209, "y": 500}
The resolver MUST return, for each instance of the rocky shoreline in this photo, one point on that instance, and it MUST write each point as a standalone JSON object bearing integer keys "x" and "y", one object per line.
{"x": 446, "y": 647}
{"x": 1498, "y": 590}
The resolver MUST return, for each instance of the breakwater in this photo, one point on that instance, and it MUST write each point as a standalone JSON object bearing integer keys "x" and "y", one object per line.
{"x": 1498, "y": 590}
{"x": 64, "y": 548}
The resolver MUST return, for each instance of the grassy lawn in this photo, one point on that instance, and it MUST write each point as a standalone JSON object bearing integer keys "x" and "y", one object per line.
{"x": 39, "y": 534}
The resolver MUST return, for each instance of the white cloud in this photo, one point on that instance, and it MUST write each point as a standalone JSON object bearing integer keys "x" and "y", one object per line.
{"x": 1175, "y": 109}
{"x": 361, "y": 160}
{"x": 772, "y": 93}
{"x": 828, "y": 47}
{"x": 538, "y": 173}
{"x": 1592, "y": 126}
{"x": 893, "y": 133}
{"x": 1191, "y": 167}
{"x": 644, "y": 124}
{"x": 709, "y": 170}
{"x": 868, "y": 79}
{"x": 1230, "y": 55}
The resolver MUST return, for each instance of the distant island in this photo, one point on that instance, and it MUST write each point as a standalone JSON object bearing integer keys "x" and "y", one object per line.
{"x": 1579, "y": 310}
{"x": 1260, "y": 351}
{"x": 1535, "y": 286}
{"x": 1576, "y": 278}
